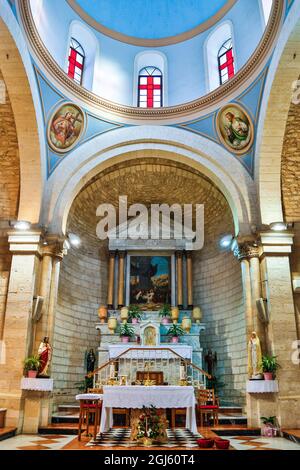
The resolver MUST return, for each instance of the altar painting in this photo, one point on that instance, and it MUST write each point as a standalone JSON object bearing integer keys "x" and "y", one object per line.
{"x": 150, "y": 281}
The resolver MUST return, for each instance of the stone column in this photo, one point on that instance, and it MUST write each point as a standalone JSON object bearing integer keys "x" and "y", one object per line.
{"x": 52, "y": 255}
{"x": 179, "y": 279}
{"x": 243, "y": 252}
{"x": 111, "y": 276}
{"x": 17, "y": 333}
{"x": 121, "y": 279}
{"x": 276, "y": 248}
{"x": 189, "y": 277}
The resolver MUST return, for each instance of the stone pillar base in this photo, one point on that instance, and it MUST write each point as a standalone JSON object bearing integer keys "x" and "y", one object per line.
{"x": 36, "y": 411}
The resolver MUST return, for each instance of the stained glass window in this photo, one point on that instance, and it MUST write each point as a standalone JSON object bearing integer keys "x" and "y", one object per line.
{"x": 76, "y": 61}
{"x": 226, "y": 61}
{"x": 150, "y": 88}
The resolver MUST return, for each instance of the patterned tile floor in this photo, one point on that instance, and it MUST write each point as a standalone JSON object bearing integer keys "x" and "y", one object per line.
{"x": 63, "y": 442}
{"x": 36, "y": 442}
{"x": 261, "y": 443}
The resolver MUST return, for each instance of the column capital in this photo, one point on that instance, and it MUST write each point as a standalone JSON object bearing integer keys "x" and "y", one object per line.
{"x": 276, "y": 243}
{"x": 27, "y": 242}
{"x": 54, "y": 246}
{"x": 246, "y": 250}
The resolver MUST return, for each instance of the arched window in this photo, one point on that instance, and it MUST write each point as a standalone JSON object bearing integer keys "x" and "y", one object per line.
{"x": 76, "y": 61}
{"x": 226, "y": 61}
{"x": 150, "y": 88}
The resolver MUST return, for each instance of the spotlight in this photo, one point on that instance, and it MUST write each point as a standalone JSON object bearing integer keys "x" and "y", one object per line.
{"x": 278, "y": 226}
{"x": 74, "y": 240}
{"x": 226, "y": 241}
{"x": 22, "y": 225}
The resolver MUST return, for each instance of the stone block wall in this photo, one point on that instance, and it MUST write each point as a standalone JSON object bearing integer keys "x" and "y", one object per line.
{"x": 218, "y": 290}
{"x": 82, "y": 288}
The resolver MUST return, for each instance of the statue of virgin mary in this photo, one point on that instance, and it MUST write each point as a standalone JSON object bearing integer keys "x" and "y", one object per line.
{"x": 254, "y": 357}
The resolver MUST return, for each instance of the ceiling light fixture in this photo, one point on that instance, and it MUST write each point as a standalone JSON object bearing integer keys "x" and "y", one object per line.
{"x": 226, "y": 241}
{"x": 21, "y": 225}
{"x": 74, "y": 240}
{"x": 278, "y": 226}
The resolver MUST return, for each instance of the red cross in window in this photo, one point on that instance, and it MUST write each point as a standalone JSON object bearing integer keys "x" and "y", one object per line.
{"x": 229, "y": 64}
{"x": 73, "y": 62}
{"x": 150, "y": 87}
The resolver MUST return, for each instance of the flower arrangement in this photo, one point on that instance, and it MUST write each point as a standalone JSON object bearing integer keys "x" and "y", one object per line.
{"x": 150, "y": 426}
{"x": 270, "y": 426}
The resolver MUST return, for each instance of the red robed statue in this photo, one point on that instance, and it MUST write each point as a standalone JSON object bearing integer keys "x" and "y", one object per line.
{"x": 44, "y": 353}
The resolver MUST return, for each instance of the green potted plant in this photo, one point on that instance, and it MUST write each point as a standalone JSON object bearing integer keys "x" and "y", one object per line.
{"x": 269, "y": 367}
{"x": 31, "y": 366}
{"x": 134, "y": 313}
{"x": 126, "y": 332}
{"x": 175, "y": 331}
{"x": 165, "y": 313}
{"x": 269, "y": 426}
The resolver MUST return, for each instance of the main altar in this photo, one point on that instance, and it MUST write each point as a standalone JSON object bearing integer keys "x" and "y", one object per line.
{"x": 149, "y": 274}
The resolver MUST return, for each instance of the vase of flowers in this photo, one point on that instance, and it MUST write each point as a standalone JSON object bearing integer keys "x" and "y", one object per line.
{"x": 165, "y": 313}
{"x": 269, "y": 426}
{"x": 134, "y": 314}
{"x": 150, "y": 426}
{"x": 126, "y": 332}
{"x": 269, "y": 366}
{"x": 175, "y": 331}
{"x": 31, "y": 366}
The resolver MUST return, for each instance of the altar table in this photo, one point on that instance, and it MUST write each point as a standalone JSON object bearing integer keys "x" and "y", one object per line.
{"x": 137, "y": 396}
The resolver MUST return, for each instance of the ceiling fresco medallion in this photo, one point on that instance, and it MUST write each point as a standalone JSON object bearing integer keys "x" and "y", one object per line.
{"x": 65, "y": 127}
{"x": 235, "y": 128}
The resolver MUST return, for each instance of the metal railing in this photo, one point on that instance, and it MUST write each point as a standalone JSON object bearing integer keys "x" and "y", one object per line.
{"x": 124, "y": 368}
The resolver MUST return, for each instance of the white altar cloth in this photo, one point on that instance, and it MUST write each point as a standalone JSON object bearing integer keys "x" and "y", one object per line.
{"x": 137, "y": 396}
{"x": 147, "y": 352}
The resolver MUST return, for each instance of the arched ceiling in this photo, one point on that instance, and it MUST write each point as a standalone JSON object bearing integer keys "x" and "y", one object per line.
{"x": 151, "y": 181}
{"x": 151, "y": 19}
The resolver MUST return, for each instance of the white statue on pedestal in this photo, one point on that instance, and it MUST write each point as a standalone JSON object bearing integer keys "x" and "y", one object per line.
{"x": 254, "y": 357}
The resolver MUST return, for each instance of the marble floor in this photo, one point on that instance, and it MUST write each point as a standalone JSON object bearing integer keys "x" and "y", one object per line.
{"x": 63, "y": 442}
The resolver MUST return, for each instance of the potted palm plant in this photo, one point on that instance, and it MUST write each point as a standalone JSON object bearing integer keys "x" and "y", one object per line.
{"x": 126, "y": 332}
{"x": 269, "y": 367}
{"x": 175, "y": 331}
{"x": 165, "y": 313}
{"x": 134, "y": 313}
{"x": 31, "y": 366}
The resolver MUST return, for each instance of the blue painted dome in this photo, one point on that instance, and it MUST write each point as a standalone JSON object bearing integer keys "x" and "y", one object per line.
{"x": 151, "y": 19}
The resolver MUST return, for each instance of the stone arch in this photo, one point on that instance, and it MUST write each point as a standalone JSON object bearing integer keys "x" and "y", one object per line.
{"x": 284, "y": 70}
{"x": 14, "y": 65}
{"x": 129, "y": 143}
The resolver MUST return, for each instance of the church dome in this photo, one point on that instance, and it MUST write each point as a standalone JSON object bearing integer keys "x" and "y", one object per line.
{"x": 136, "y": 57}
{"x": 151, "y": 19}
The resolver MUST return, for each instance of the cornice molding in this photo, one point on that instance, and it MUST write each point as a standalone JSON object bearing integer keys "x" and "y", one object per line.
{"x": 142, "y": 115}
{"x": 167, "y": 41}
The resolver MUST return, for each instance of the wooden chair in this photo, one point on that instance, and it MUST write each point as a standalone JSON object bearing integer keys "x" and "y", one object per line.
{"x": 89, "y": 409}
{"x": 208, "y": 404}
